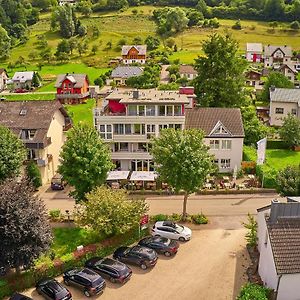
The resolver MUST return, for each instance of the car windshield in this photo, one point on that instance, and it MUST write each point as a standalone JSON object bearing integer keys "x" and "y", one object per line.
{"x": 126, "y": 251}
{"x": 179, "y": 228}
{"x": 163, "y": 240}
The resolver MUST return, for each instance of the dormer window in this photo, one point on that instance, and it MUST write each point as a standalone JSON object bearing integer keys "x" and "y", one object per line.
{"x": 220, "y": 130}
{"x": 28, "y": 134}
{"x": 23, "y": 112}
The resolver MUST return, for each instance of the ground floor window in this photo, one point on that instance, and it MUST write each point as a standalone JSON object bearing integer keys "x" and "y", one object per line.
{"x": 117, "y": 164}
{"x": 225, "y": 163}
{"x": 142, "y": 165}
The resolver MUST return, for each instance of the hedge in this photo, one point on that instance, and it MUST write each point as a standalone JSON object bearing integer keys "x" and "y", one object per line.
{"x": 28, "y": 278}
{"x": 267, "y": 176}
{"x": 276, "y": 144}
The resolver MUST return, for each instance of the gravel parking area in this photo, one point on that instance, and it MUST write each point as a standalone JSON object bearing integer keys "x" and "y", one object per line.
{"x": 210, "y": 266}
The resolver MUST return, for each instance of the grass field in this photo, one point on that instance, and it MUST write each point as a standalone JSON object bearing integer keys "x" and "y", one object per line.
{"x": 29, "y": 97}
{"x": 82, "y": 112}
{"x": 114, "y": 26}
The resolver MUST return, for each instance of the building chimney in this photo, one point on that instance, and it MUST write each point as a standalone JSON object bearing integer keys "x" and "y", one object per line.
{"x": 275, "y": 208}
{"x": 135, "y": 94}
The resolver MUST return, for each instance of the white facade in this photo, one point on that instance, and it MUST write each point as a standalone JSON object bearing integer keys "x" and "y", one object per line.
{"x": 3, "y": 80}
{"x": 254, "y": 52}
{"x": 276, "y": 56}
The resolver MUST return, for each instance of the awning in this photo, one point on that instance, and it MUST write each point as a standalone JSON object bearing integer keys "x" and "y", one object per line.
{"x": 143, "y": 176}
{"x": 117, "y": 175}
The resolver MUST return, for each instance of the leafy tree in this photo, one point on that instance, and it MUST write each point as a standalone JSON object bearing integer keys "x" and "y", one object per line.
{"x": 66, "y": 19}
{"x": 36, "y": 80}
{"x": 110, "y": 211}
{"x": 137, "y": 40}
{"x": 85, "y": 7}
{"x": 220, "y": 81}
{"x": 237, "y": 25}
{"x": 82, "y": 31}
{"x": 202, "y": 7}
{"x": 290, "y": 131}
{"x": 43, "y": 5}
{"x": 24, "y": 229}
{"x": 288, "y": 181}
{"x": 5, "y": 43}
{"x": 34, "y": 174}
{"x": 295, "y": 25}
{"x": 274, "y": 9}
{"x": 46, "y": 54}
{"x": 152, "y": 42}
{"x": 254, "y": 129}
{"x": 73, "y": 43}
{"x": 194, "y": 17}
{"x": 85, "y": 160}
{"x": 251, "y": 235}
{"x": 12, "y": 154}
{"x": 94, "y": 49}
{"x": 82, "y": 47}
{"x": 108, "y": 45}
{"x": 182, "y": 160}
{"x": 170, "y": 42}
{"x": 275, "y": 79}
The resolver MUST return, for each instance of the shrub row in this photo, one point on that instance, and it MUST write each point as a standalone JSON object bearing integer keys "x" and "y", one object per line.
{"x": 28, "y": 278}
{"x": 196, "y": 219}
{"x": 275, "y": 144}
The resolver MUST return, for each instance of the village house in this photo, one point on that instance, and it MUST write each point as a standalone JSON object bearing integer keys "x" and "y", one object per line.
{"x": 3, "y": 79}
{"x": 69, "y": 2}
{"x": 134, "y": 54}
{"x": 121, "y": 73}
{"x": 254, "y": 52}
{"x": 253, "y": 78}
{"x": 72, "y": 88}
{"x": 41, "y": 125}
{"x": 23, "y": 80}
{"x": 128, "y": 119}
{"x": 278, "y": 235}
{"x": 275, "y": 56}
{"x": 289, "y": 72}
{"x": 224, "y": 134}
{"x": 187, "y": 71}
{"x": 283, "y": 102}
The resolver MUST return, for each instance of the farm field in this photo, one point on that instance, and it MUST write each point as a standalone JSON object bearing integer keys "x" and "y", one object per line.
{"x": 125, "y": 25}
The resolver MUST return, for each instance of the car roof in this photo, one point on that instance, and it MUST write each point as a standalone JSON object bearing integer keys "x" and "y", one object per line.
{"x": 88, "y": 274}
{"x": 165, "y": 223}
{"x": 55, "y": 286}
{"x": 141, "y": 249}
{"x": 113, "y": 263}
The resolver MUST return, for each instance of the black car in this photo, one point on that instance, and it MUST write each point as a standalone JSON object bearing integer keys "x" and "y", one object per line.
{"x": 85, "y": 279}
{"x": 109, "y": 268}
{"x": 18, "y": 296}
{"x": 52, "y": 290}
{"x": 137, "y": 255}
{"x": 161, "y": 245}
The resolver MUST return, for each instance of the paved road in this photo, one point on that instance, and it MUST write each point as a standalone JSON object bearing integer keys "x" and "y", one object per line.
{"x": 209, "y": 267}
{"x": 211, "y": 205}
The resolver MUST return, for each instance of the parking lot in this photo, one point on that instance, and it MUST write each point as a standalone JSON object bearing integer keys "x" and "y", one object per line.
{"x": 210, "y": 266}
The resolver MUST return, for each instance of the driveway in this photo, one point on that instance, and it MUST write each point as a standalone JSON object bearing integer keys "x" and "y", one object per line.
{"x": 210, "y": 266}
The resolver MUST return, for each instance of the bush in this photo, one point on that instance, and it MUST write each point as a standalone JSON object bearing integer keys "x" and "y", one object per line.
{"x": 34, "y": 174}
{"x": 252, "y": 291}
{"x": 55, "y": 215}
{"x": 157, "y": 218}
{"x": 251, "y": 235}
{"x": 199, "y": 219}
{"x": 237, "y": 25}
{"x": 267, "y": 176}
{"x": 277, "y": 144}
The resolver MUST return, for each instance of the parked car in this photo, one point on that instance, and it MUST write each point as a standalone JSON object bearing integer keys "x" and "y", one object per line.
{"x": 51, "y": 289}
{"x": 136, "y": 255}
{"x": 18, "y": 296}
{"x": 161, "y": 245}
{"x": 109, "y": 268}
{"x": 85, "y": 279}
{"x": 57, "y": 182}
{"x": 171, "y": 230}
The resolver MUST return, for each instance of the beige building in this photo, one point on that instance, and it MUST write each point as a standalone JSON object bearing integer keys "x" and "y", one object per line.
{"x": 3, "y": 79}
{"x": 275, "y": 56}
{"x": 187, "y": 71}
{"x": 289, "y": 72}
{"x": 283, "y": 102}
{"x": 224, "y": 134}
{"x": 41, "y": 125}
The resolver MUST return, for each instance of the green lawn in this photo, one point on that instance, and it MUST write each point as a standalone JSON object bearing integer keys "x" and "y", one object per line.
{"x": 28, "y": 97}
{"x": 82, "y": 112}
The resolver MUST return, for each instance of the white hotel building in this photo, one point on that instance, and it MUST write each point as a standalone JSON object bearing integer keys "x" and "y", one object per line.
{"x": 128, "y": 119}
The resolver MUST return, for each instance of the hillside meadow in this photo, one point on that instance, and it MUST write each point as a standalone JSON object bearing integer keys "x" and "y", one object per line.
{"x": 125, "y": 25}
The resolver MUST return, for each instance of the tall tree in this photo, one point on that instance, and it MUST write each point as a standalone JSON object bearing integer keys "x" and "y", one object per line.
{"x": 24, "y": 229}
{"x": 182, "y": 160}
{"x": 253, "y": 127}
{"x": 12, "y": 154}
{"x": 290, "y": 130}
{"x": 274, "y": 9}
{"x": 5, "y": 43}
{"x": 220, "y": 80}
{"x": 66, "y": 19}
{"x": 85, "y": 160}
{"x": 110, "y": 211}
{"x": 275, "y": 79}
